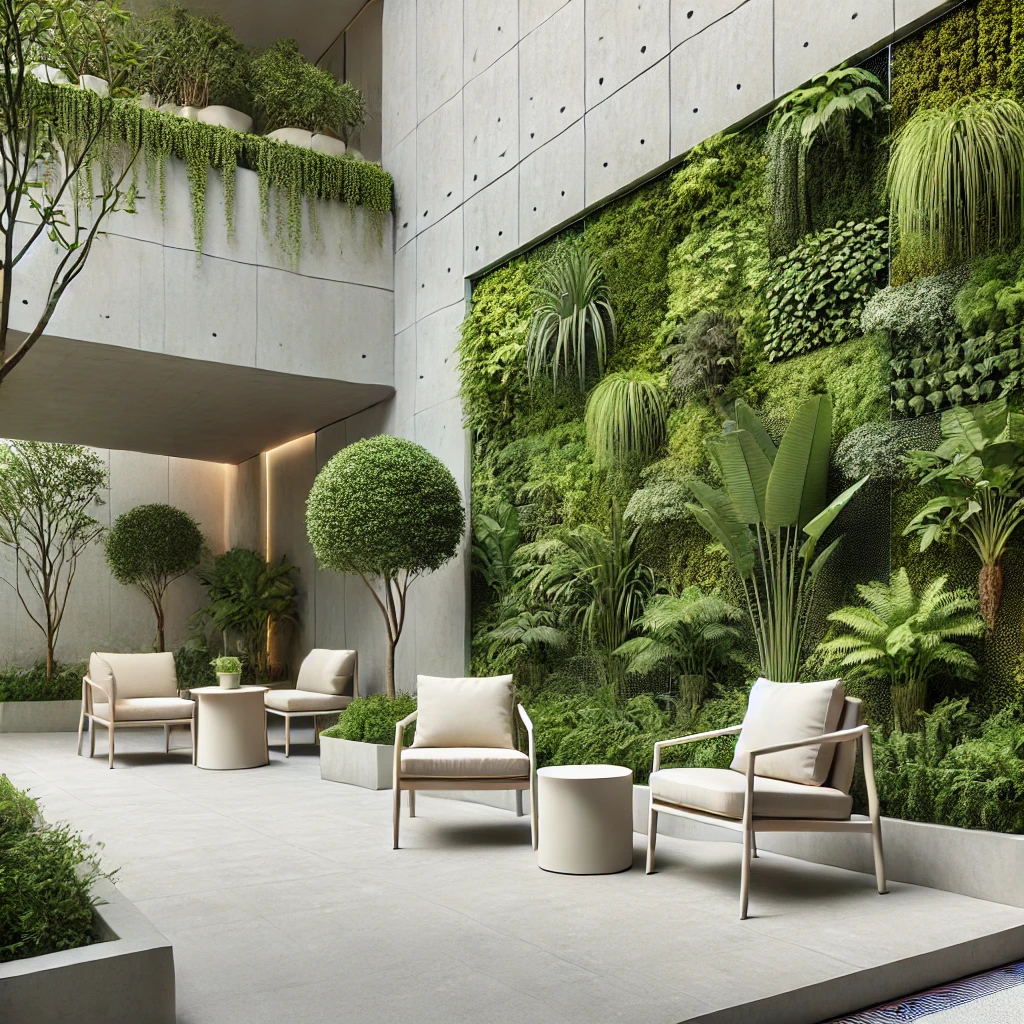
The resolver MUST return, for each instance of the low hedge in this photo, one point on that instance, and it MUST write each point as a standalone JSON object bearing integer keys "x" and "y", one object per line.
{"x": 46, "y": 878}
{"x": 30, "y": 683}
{"x": 373, "y": 719}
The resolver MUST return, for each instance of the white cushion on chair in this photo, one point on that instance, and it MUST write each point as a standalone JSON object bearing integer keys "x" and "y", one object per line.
{"x": 464, "y": 712}
{"x": 136, "y": 675}
{"x": 146, "y": 709}
{"x": 464, "y": 763}
{"x": 330, "y": 672}
{"x": 303, "y": 700}
{"x": 781, "y": 712}
{"x": 721, "y": 792}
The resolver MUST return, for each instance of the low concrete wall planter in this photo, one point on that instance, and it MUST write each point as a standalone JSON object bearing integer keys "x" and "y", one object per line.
{"x": 40, "y": 715}
{"x": 126, "y": 978}
{"x": 369, "y": 765}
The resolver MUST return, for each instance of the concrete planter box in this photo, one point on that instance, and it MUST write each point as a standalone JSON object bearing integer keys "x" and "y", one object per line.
{"x": 40, "y": 715}
{"x": 971, "y": 862}
{"x": 126, "y": 978}
{"x": 369, "y": 765}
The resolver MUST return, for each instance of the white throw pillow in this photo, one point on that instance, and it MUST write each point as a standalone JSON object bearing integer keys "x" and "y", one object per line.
{"x": 464, "y": 712}
{"x": 781, "y": 712}
{"x": 324, "y": 671}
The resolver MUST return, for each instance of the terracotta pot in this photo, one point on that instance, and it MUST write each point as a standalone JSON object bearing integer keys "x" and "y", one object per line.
{"x": 226, "y": 117}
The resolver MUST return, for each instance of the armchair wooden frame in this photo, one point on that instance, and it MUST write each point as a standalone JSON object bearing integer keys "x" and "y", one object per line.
{"x": 412, "y": 784}
{"x": 749, "y": 825}
{"x": 88, "y": 688}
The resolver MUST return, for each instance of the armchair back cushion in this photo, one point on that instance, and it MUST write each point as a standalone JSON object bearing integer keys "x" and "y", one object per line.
{"x": 331, "y": 672}
{"x": 464, "y": 712}
{"x": 846, "y": 753}
{"x": 782, "y": 712}
{"x": 136, "y": 675}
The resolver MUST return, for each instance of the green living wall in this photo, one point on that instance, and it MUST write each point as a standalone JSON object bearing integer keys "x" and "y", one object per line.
{"x": 770, "y": 262}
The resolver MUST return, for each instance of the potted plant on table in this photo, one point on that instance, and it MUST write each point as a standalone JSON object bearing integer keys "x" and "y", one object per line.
{"x": 229, "y": 671}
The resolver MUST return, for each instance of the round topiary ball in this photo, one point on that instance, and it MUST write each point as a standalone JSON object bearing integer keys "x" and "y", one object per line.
{"x": 384, "y": 506}
{"x": 153, "y": 542}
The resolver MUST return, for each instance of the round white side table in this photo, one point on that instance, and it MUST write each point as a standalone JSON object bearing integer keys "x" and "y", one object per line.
{"x": 231, "y": 728}
{"x": 585, "y": 822}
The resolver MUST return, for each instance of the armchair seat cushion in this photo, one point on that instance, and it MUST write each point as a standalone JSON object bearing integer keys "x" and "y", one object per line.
{"x": 146, "y": 709}
{"x": 465, "y": 763}
{"x": 721, "y": 792}
{"x": 304, "y": 700}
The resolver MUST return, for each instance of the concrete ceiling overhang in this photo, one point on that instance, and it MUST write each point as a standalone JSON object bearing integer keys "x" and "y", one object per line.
{"x": 314, "y": 24}
{"x": 107, "y": 396}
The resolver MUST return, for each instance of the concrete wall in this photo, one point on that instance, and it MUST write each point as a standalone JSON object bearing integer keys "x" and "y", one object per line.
{"x": 102, "y": 614}
{"x": 504, "y": 120}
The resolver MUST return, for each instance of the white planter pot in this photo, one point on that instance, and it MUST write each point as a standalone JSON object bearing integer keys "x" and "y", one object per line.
{"x": 100, "y": 86}
{"x": 328, "y": 145}
{"x": 45, "y": 73}
{"x": 226, "y": 117}
{"x": 229, "y": 680}
{"x": 355, "y": 154}
{"x": 147, "y": 101}
{"x": 296, "y": 136}
{"x": 368, "y": 765}
{"x": 190, "y": 113}
{"x": 169, "y": 108}
{"x": 40, "y": 715}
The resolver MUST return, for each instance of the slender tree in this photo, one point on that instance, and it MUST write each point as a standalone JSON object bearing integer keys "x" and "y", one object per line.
{"x": 47, "y": 493}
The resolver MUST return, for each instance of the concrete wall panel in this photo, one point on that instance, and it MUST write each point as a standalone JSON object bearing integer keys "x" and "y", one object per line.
{"x": 492, "y": 222}
{"x": 438, "y": 164}
{"x": 551, "y": 184}
{"x": 722, "y": 75}
{"x": 692, "y": 16}
{"x": 438, "y": 54}
{"x": 398, "y": 99}
{"x": 811, "y": 36}
{"x": 910, "y": 13}
{"x": 491, "y": 29}
{"x": 622, "y": 41}
{"x": 242, "y": 501}
{"x": 533, "y": 13}
{"x": 405, "y": 287}
{"x": 403, "y": 405}
{"x": 439, "y": 278}
{"x": 551, "y": 78}
{"x": 491, "y": 114}
{"x": 437, "y": 338}
{"x": 401, "y": 164}
{"x": 628, "y": 134}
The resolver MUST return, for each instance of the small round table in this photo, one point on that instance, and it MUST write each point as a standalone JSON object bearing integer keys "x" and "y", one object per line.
{"x": 231, "y": 728}
{"x": 585, "y": 822}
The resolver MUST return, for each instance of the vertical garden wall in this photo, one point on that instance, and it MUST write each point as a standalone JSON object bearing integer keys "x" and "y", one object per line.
{"x": 763, "y": 270}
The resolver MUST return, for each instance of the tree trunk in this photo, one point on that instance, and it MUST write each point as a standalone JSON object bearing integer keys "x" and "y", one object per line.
{"x": 49, "y": 659}
{"x": 990, "y": 592}
{"x": 159, "y": 628}
{"x": 908, "y": 701}
{"x": 389, "y": 668}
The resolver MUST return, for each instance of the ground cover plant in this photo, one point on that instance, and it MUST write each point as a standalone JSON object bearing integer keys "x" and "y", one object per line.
{"x": 373, "y": 719}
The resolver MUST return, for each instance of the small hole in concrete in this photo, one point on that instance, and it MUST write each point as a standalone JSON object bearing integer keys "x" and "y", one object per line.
{"x": 215, "y": 334}
{"x": 500, "y": 233}
{"x": 449, "y": 195}
{"x": 739, "y": 86}
{"x": 531, "y": 135}
{"x": 364, "y": 355}
{"x": 474, "y": 177}
{"x": 695, "y": 109}
{"x": 600, "y": 81}
{"x": 563, "y": 191}
{"x": 806, "y": 45}
{"x": 478, "y": 248}
{"x": 854, "y": 17}
{"x": 642, "y": 141}
{"x": 562, "y": 110}
{"x": 643, "y": 49}
{"x": 689, "y": 14}
{"x": 606, "y": 163}
{"x": 24, "y": 302}
{"x": 406, "y": 224}
{"x": 425, "y": 212}
{"x": 535, "y": 209}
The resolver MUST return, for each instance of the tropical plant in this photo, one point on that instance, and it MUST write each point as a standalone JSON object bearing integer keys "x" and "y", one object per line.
{"x": 49, "y": 192}
{"x": 704, "y": 355}
{"x": 373, "y": 719}
{"x": 626, "y": 418}
{"x": 290, "y": 92}
{"x": 496, "y": 537}
{"x": 151, "y": 546}
{"x": 918, "y": 313}
{"x": 47, "y": 496}
{"x": 992, "y": 296}
{"x": 521, "y": 634}
{"x": 572, "y": 314}
{"x": 820, "y": 112}
{"x": 769, "y": 518}
{"x": 817, "y": 294}
{"x": 596, "y": 581}
{"x": 248, "y": 596}
{"x": 227, "y": 665}
{"x": 385, "y": 510}
{"x": 692, "y": 633}
{"x": 955, "y": 179}
{"x": 978, "y": 470}
{"x": 905, "y": 640}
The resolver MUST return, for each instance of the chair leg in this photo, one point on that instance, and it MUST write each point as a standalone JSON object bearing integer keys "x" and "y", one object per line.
{"x": 110, "y": 743}
{"x": 876, "y": 844}
{"x": 652, "y": 837}
{"x": 412, "y": 803}
{"x": 192, "y": 730}
{"x": 81, "y": 726}
{"x": 167, "y": 739}
{"x": 753, "y": 844}
{"x": 396, "y": 812}
{"x": 287, "y": 735}
{"x": 519, "y": 803}
{"x": 92, "y": 738}
{"x": 745, "y": 873}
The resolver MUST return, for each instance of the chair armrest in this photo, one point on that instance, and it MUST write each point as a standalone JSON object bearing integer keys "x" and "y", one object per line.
{"x": 528, "y": 722}
{"x": 731, "y": 731}
{"x": 843, "y": 736}
{"x": 399, "y": 742}
{"x": 110, "y": 694}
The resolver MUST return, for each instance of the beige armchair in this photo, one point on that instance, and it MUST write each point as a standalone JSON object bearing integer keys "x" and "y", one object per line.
{"x": 792, "y": 772}
{"x": 125, "y": 691}
{"x": 464, "y": 741}
{"x": 328, "y": 681}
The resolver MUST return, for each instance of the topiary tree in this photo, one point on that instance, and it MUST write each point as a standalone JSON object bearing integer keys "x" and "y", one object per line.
{"x": 385, "y": 510}
{"x": 150, "y": 547}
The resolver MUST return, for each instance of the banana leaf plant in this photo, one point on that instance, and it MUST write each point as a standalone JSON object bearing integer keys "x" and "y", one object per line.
{"x": 769, "y": 518}
{"x": 978, "y": 470}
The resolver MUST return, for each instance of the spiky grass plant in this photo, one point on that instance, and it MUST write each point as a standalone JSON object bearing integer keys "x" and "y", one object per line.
{"x": 955, "y": 179}
{"x": 572, "y": 315}
{"x": 626, "y": 417}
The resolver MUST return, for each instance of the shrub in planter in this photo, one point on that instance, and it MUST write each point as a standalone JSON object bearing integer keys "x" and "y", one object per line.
{"x": 46, "y": 882}
{"x": 19, "y": 684}
{"x": 373, "y": 719}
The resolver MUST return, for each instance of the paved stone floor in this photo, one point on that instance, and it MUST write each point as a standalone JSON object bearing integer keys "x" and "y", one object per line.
{"x": 284, "y": 901}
